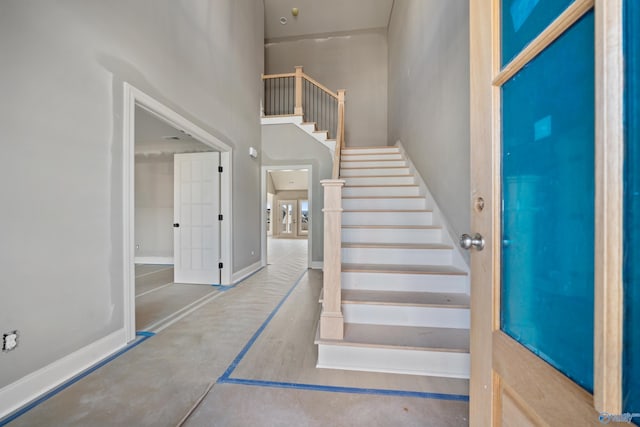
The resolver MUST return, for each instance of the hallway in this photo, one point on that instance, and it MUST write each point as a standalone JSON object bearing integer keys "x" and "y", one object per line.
{"x": 255, "y": 341}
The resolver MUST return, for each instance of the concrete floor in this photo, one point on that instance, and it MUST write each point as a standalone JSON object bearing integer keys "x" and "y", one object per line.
{"x": 261, "y": 365}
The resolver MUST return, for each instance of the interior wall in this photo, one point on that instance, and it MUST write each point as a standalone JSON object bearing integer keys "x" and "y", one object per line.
{"x": 429, "y": 97}
{"x": 62, "y": 108}
{"x": 356, "y": 62}
{"x": 154, "y": 206}
{"x": 284, "y": 145}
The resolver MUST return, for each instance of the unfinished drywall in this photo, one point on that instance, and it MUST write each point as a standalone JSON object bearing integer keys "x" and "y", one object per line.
{"x": 288, "y": 145}
{"x": 429, "y": 97}
{"x": 154, "y": 206}
{"x": 62, "y": 110}
{"x": 356, "y": 62}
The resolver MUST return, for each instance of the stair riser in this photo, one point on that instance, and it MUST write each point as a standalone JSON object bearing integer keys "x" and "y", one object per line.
{"x": 396, "y": 256}
{"x": 398, "y": 203}
{"x": 309, "y": 128}
{"x": 372, "y": 150}
{"x": 387, "y": 218}
{"x": 404, "y": 282}
{"x": 390, "y": 235}
{"x": 395, "y": 315}
{"x": 346, "y": 173}
{"x": 377, "y": 180}
{"x": 385, "y": 156}
{"x": 398, "y": 361}
{"x": 380, "y": 191}
{"x": 372, "y": 164}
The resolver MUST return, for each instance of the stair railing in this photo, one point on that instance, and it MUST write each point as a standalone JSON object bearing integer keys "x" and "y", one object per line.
{"x": 299, "y": 94}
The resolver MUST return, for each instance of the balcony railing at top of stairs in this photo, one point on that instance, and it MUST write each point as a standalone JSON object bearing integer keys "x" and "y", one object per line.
{"x": 298, "y": 94}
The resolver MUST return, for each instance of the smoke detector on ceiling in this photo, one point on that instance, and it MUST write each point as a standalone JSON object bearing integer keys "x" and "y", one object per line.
{"x": 283, "y": 20}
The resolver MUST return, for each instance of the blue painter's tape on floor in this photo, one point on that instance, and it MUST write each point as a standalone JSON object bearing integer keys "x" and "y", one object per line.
{"x": 351, "y": 390}
{"x": 142, "y": 337}
{"x": 255, "y": 336}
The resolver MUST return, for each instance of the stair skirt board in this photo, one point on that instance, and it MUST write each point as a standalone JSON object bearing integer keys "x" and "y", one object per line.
{"x": 404, "y": 282}
{"x": 431, "y": 362}
{"x": 350, "y": 172}
{"x": 398, "y": 315}
{"x": 392, "y": 235}
{"x": 406, "y": 217}
{"x": 381, "y": 255}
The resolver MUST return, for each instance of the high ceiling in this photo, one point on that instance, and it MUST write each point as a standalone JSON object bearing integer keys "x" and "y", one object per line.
{"x": 324, "y": 16}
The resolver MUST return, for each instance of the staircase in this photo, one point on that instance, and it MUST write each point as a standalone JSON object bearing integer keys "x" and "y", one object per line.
{"x": 405, "y": 304}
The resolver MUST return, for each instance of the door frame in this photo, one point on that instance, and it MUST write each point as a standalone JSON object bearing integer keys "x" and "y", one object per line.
{"x": 486, "y": 75}
{"x": 294, "y": 224}
{"x": 263, "y": 209}
{"x": 133, "y": 98}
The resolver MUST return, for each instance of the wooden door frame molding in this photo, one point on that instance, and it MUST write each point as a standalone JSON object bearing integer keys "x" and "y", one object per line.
{"x": 485, "y": 387}
{"x": 133, "y": 98}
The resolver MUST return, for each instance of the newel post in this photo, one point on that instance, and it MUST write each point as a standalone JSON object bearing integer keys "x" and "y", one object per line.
{"x": 298, "y": 106}
{"x": 331, "y": 320}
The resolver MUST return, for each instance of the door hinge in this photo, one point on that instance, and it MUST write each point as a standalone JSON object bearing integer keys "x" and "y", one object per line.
{"x": 220, "y": 265}
{"x": 220, "y": 169}
{"x": 220, "y": 218}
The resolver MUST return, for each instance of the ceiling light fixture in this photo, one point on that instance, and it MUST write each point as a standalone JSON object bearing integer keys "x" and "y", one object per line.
{"x": 295, "y": 11}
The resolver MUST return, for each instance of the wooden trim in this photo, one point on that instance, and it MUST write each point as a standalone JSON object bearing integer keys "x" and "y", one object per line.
{"x": 548, "y": 36}
{"x": 320, "y": 85}
{"x": 482, "y": 380}
{"x": 609, "y": 207}
{"x": 553, "y": 398}
{"x": 277, "y": 76}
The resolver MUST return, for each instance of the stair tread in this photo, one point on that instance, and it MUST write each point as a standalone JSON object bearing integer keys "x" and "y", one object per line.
{"x": 403, "y": 269}
{"x": 404, "y": 337}
{"x": 414, "y": 299}
{"x": 382, "y": 185}
{"x": 388, "y": 147}
{"x": 398, "y": 245}
{"x": 382, "y": 197}
{"x": 387, "y": 210}
{"x": 377, "y": 176}
{"x": 394, "y": 227}
{"x": 377, "y": 167}
{"x": 368, "y": 160}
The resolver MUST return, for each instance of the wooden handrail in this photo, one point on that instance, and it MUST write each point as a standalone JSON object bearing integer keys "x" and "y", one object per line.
{"x": 277, "y": 76}
{"x": 320, "y": 85}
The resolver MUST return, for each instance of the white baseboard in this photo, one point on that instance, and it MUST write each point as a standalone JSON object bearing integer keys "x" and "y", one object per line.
{"x": 153, "y": 260}
{"x": 317, "y": 265}
{"x": 240, "y": 275}
{"x": 33, "y": 385}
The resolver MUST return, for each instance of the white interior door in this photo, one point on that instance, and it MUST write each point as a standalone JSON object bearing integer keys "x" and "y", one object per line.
{"x": 196, "y": 224}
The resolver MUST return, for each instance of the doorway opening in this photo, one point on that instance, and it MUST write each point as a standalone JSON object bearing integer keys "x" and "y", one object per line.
{"x": 177, "y": 213}
{"x": 287, "y": 200}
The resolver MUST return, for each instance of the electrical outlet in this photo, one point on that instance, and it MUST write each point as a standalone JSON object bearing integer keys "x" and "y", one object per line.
{"x": 9, "y": 341}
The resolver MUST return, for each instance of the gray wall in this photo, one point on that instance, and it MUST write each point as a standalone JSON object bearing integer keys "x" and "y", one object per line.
{"x": 154, "y": 205}
{"x": 61, "y": 110}
{"x": 429, "y": 97}
{"x": 289, "y": 145}
{"x": 356, "y": 62}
